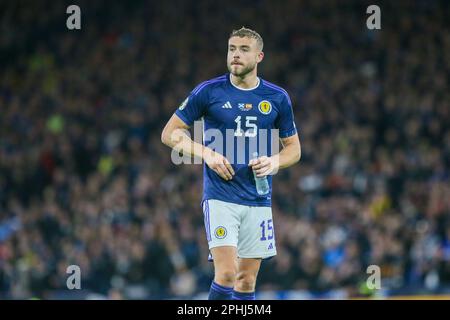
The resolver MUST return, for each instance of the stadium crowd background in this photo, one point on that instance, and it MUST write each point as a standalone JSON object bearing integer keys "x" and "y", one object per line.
{"x": 85, "y": 180}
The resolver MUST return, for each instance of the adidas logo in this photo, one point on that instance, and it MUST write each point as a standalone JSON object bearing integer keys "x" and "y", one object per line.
{"x": 270, "y": 246}
{"x": 227, "y": 105}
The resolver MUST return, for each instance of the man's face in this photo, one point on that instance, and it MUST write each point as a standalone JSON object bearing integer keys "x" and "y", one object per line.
{"x": 243, "y": 55}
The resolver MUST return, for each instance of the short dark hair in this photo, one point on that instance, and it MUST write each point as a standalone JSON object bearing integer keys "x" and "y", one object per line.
{"x": 246, "y": 32}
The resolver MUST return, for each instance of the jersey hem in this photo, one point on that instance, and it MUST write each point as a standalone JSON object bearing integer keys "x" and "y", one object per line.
{"x": 241, "y": 202}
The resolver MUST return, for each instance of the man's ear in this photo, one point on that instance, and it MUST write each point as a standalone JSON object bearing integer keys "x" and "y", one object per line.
{"x": 260, "y": 57}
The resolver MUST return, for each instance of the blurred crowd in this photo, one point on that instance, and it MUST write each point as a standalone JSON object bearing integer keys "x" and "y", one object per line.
{"x": 85, "y": 179}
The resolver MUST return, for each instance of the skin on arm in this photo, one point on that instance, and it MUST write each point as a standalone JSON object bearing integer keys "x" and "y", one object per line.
{"x": 174, "y": 135}
{"x": 289, "y": 155}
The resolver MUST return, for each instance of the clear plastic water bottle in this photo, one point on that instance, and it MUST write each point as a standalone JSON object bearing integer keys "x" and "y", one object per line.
{"x": 262, "y": 184}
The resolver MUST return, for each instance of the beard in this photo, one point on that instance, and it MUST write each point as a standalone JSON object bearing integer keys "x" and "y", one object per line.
{"x": 242, "y": 70}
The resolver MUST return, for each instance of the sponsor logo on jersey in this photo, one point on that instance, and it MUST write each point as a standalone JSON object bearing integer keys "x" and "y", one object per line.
{"x": 227, "y": 105}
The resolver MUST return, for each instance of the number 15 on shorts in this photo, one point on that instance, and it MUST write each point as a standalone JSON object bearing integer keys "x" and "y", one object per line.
{"x": 263, "y": 226}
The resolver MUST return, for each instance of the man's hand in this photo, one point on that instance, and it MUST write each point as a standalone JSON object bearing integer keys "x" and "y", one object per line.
{"x": 264, "y": 166}
{"x": 219, "y": 164}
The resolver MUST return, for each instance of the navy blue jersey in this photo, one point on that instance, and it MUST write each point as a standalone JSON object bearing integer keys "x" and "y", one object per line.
{"x": 246, "y": 119}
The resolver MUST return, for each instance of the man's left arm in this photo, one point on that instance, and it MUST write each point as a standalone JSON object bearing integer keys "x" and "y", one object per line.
{"x": 289, "y": 155}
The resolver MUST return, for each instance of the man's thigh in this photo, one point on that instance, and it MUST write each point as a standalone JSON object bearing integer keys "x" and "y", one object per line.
{"x": 225, "y": 259}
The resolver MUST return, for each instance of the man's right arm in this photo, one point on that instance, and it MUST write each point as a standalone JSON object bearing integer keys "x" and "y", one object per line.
{"x": 174, "y": 135}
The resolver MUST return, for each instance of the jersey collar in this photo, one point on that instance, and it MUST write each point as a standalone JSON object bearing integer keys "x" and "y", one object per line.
{"x": 249, "y": 89}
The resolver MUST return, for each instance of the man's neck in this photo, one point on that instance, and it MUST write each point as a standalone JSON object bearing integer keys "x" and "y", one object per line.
{"x": 247, "y": 82}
